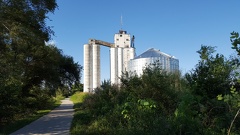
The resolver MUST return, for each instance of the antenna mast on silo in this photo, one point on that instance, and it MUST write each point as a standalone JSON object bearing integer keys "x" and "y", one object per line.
{"x": 121, "y": 22}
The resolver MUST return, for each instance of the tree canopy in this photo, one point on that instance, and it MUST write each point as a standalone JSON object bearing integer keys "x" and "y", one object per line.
{"x": 31, "y": 69}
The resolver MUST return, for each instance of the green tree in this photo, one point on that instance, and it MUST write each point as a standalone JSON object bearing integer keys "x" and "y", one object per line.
{"x": 210, "y": 70}
{"x": 232, "y": 99}
{"x": 211, "y": 77}
{"x": 23, "y": 34}
{"x": 31, "y": 71}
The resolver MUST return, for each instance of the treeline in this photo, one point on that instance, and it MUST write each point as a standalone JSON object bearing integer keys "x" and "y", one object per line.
{"x": 205, "y": 101}
{"x": 32, "y": 71}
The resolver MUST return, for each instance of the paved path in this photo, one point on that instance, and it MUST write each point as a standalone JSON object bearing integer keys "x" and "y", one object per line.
{"x": 57, "y": 122}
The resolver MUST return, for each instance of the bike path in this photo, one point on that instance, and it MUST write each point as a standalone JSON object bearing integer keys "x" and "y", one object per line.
{"x": 57, "y": 122}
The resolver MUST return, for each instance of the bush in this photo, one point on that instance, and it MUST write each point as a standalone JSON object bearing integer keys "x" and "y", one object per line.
{"x": 10, "y": 104}
{"x": 38, "y": 99}
{"x": 59, "y": 95}
{"x": 142, "y": 105}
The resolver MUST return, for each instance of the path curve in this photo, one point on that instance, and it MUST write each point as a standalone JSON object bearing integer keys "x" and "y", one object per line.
{"x": 57, "y": 122}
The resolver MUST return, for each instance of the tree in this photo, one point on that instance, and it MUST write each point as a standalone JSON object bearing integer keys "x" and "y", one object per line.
{"x": 211, "y": 77}
{"x": 31, "y": 71}
{"x": 24, "y": 21}
{"x": 232, "y": 99}
{"x": 51, "y": 68}
{"x": 210, "y": 70}
{"x": 23, "y": 34}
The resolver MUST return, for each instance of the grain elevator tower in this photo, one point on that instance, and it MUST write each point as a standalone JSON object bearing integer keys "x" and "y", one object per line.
{"x": 120, "y": 54}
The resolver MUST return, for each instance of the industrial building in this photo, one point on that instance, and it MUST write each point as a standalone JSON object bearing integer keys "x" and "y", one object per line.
{"x": 122, "y": 53}
{"x": 167, "y": 62}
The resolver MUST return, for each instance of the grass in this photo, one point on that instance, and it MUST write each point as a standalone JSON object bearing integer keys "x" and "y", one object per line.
{"x": 11, "y": 127}
{"x": 78, "y": 97}
{"x": 81, "y": 117}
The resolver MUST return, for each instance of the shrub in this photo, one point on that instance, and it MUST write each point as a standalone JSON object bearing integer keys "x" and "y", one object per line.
{"x": 141, "y": 105}
{"x": 10, "y": 104}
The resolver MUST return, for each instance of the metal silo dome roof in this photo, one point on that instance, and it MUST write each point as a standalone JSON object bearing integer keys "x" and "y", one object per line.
{"x": 151, "y": 53}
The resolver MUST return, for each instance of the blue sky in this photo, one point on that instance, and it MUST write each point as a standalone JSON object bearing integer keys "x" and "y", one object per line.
{"x": 175, "y": 27}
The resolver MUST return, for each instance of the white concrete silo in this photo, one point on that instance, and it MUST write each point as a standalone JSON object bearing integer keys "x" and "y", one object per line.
{"x": 113, "y": 63}
{"x": 96, "y": 66}
{"x": 119, "y": 64}
{"x": 87, "y": 68}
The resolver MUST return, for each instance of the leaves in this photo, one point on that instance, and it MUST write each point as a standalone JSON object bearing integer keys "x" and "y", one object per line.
{"x": 235, "y": 40}
{"x": 30, "y": 69}
{"x": 220, "y": 97}
{"x": 212, "y": 75}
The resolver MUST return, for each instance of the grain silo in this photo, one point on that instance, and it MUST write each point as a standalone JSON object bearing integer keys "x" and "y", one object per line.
{"x": 167, "y": 62}
{"x": 120, "y": 53}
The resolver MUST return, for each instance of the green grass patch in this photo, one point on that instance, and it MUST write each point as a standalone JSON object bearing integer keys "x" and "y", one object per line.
{"x": 78, "y": 97}
{"x": 81, "y": 117}
{"x": 14, "y": 126}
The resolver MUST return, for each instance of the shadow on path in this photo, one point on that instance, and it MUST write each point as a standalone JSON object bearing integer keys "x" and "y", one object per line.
{"x": 58, "y": 121}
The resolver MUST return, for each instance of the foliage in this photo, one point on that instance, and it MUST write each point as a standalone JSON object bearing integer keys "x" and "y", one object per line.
{"x": 233, "y": 102}
{"x": 31, "y": 70}
{"x": 138, "y": 106}
{"x": 235, "y": 40}
{"x": 59, "y": 95}
{"x": 211, "y": 77}
{"x": 24, "y": 120}
{"x": 80, "y": 116}
{"x": 160, "y": 102}
{"x": 210, "y": 70}
{"x": 8, "y": 98}
{"x": 78, "y": 97}
{"x": 232, "y": 98}
{"x": 77, "y": 87}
